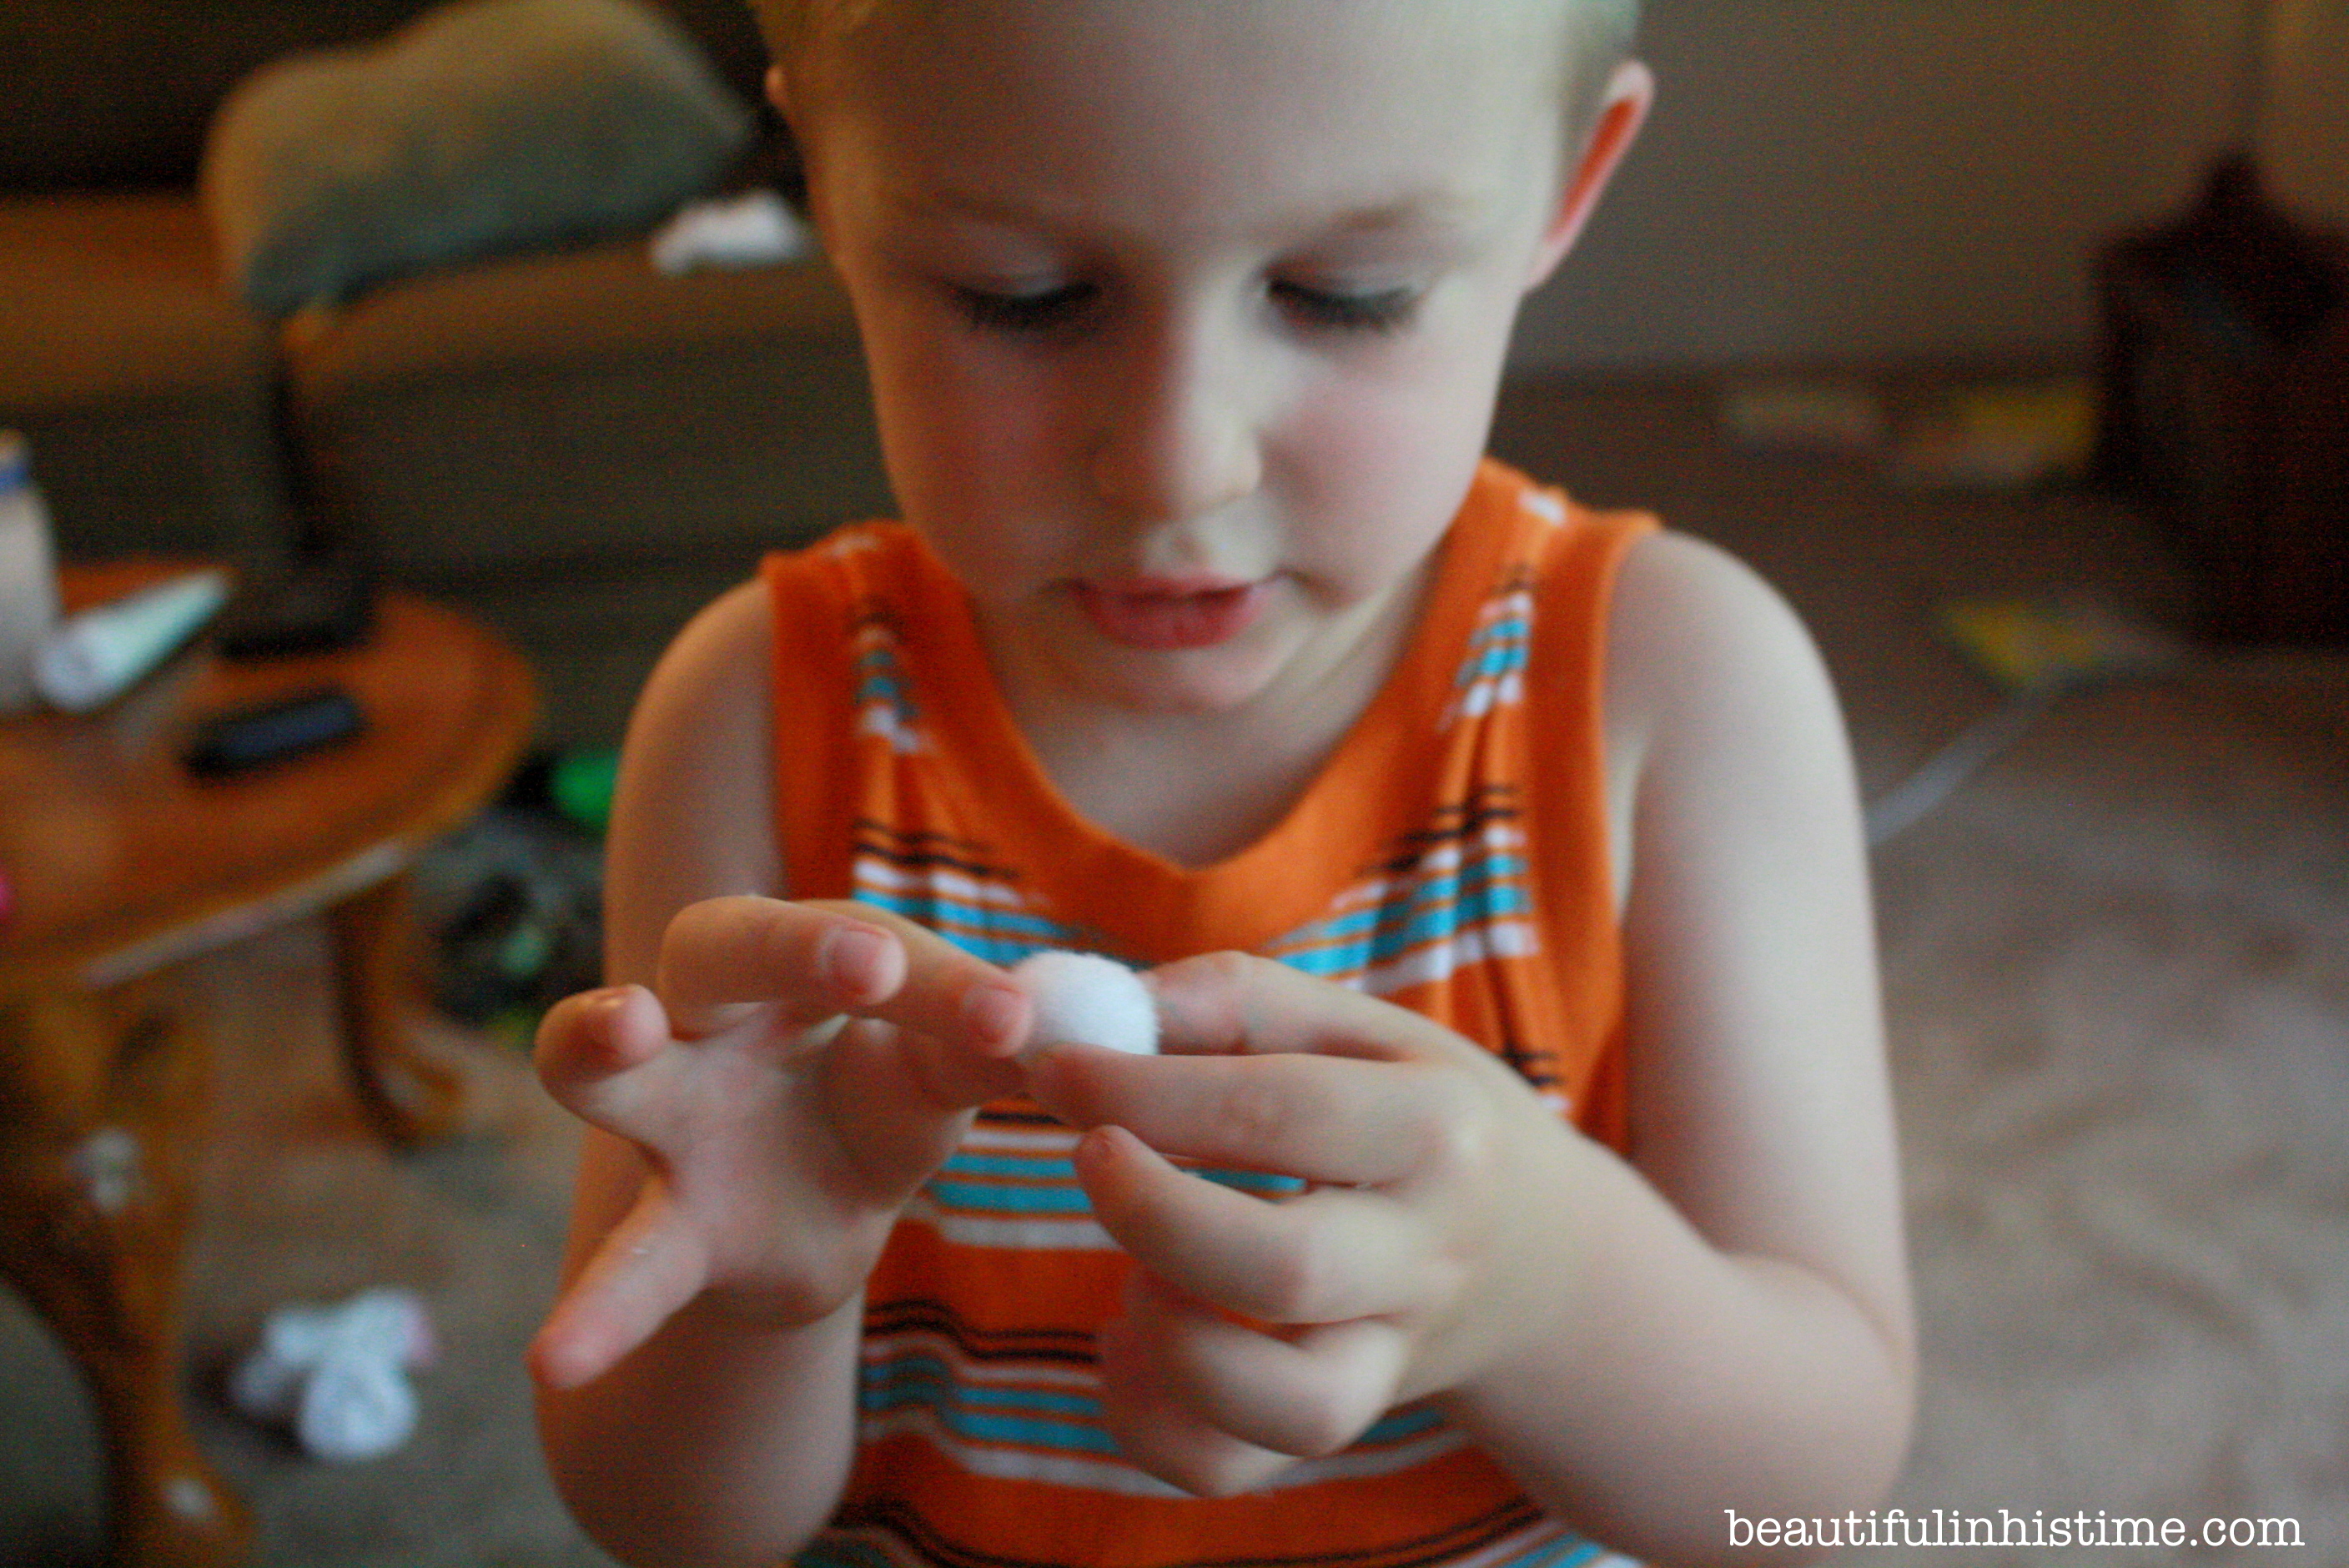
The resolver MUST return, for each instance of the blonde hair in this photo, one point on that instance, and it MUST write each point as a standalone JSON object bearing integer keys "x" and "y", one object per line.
{"x": 1600, "y": 36}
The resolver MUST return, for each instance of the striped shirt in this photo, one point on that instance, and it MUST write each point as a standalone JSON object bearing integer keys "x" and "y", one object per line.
{"x": 1452, "y": 857}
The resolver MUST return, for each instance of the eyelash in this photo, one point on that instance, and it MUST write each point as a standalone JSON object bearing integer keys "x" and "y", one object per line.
{"x": 1387, "y": 310}
{"x": 1058, "y": 309}
{"x": 1020, "y": 313}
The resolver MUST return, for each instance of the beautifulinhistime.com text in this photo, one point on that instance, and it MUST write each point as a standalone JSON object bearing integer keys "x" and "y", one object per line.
{"x": 1961, "y": 1528}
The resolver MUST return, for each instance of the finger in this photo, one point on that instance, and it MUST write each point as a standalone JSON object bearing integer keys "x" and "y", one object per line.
{"x": 1236, "y": 1004}
{"x": 1154, "y": 1428}
{"x": 1308, "y": 1393}
{"x": 814, "y": 960}
{"x": 594, "y": 1049}
{"x": 901, "y": 1102}
{"x": 642, "y": 1273}
{"x": 1360, "y": 1123}
{"x": 1329, "y": 1256}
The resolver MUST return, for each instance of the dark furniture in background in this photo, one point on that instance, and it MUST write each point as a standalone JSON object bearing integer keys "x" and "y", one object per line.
{"x": 2225, "y": 407}
{"x": 126, "y": 865}
{"x": 522, "y": 435}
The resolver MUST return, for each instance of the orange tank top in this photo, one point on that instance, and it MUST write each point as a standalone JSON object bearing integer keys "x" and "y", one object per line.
{"x": 1452, "y": 857}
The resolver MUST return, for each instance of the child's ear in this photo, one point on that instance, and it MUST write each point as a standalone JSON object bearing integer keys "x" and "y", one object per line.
{"x": 1630, "y": 93}
{"x": 778, "y": 94}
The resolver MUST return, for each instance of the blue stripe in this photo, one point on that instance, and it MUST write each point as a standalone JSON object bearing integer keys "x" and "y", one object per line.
{"x": 1497, "y": 660}
{"x": 1564, "y": 1553}
{"x": 1356, "y": 957}
{"x": 1471, "y": 879}
{"x": 1033, "y": 1431}
{"x": 827, "y": 1551}
{"x": 1396, "y": 1426}
{"x": 1044, "y": 1168}
{"x": 984, "y": 917}
{"x": 1268, "y": 1183}
{"x": 991, "y": 1198}
{"x": 1515, "y": 626}
{"x": 1000, "y": 938}
{"x": 918, "y": 1377}
{"x": 1010, "y": 1196}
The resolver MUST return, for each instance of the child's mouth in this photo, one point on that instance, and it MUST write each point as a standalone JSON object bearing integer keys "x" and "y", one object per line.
{"x": 1164, "y": 615}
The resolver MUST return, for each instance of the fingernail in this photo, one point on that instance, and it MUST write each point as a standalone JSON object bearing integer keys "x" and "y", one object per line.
{"x": 852, "y": 958}
{"x": 994, "y": 1012}
{"x": 605, "y": 1001}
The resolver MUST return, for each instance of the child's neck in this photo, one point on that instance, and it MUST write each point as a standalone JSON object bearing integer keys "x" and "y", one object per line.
{"x": 1197, "y": 788}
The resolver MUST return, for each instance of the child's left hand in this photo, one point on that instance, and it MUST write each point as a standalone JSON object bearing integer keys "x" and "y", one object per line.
{"x": 1434, "y": 1241}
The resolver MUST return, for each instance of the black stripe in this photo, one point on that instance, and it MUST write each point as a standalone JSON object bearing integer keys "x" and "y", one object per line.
{"x": 1455, "y": 1540}
{"x": 1490, "y": 803}
{"x": 913, "y": 852}
{"x": 1070, "y": 1347}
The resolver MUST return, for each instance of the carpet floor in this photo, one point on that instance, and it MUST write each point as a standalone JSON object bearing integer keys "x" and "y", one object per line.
{"x": 2116, "y": 964}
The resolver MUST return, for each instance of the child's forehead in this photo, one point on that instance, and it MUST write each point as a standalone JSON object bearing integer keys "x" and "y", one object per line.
{"x": 880, "y": 34}
{"x": 1308, "y": 72}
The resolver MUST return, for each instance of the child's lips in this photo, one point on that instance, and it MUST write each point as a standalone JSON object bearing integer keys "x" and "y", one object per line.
{"x": 1165, "y": 613}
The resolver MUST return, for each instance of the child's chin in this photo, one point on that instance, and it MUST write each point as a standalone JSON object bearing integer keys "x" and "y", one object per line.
{"x": 1190, "y": 682}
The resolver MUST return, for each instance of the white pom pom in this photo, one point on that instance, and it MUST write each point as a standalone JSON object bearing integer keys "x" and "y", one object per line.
{"x": 1084, "y": 998}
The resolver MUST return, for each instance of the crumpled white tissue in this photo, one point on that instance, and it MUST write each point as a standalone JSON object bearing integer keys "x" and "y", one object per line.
{"x": 1086, "y": 999}
{"x": 337, "y": 1376}
{"x": 755, "y": 229}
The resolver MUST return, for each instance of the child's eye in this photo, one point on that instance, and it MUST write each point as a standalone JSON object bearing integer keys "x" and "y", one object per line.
{"x": 1043, "y": 311}
{"x": 1377, "y": 310}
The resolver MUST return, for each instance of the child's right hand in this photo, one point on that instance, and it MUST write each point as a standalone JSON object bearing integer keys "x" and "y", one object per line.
{"x": 795, "y": 1074}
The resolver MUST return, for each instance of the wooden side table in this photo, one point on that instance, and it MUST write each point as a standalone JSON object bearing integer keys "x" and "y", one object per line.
{"x": 124, "y": 865}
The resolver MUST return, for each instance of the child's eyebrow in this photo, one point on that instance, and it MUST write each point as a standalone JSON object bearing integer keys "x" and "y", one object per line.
{"x": 1444, "y": 214}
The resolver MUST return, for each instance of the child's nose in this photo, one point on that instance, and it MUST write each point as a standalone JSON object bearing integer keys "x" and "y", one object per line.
{"x": 1177, "y": 435}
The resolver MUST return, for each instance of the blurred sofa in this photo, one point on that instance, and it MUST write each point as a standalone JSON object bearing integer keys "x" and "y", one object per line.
{"x": 555, "y": 417}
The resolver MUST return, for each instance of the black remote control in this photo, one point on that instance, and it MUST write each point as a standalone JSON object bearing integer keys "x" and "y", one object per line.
{"x": 243, "y": 738}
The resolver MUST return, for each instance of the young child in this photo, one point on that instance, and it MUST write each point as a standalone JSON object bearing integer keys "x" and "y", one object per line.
{"x": 1530, "y": 1182}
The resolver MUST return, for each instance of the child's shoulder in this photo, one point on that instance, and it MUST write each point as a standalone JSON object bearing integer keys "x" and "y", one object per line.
{"x": 1691, "y": 624}
{"x": 700, "y": 738}
{"x": 1720, "y": 714}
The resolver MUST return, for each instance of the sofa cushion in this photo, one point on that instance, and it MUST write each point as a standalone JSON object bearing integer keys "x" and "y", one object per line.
{"x": 143, "y": 388}
{"x": 580, "y": 411}
{"x": 485, "y": 127}
{"x": 113, "y": 295}
{"x": 118, "y": 94}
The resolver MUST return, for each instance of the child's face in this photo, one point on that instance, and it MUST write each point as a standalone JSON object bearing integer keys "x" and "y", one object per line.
{"x": 1185, "y": 317}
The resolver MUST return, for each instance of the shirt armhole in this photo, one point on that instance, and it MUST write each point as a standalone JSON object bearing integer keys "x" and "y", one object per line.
{"x": 1567, "y": 681}
{"x": 814, "y": 754}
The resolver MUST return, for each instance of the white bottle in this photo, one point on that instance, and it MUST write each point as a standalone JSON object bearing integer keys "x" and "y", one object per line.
{"x": 29, "y": 574}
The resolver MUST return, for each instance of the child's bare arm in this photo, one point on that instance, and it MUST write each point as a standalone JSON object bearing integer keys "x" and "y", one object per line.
{"x": 1725, "y": 1327}
{"x": 749, "y": 1146}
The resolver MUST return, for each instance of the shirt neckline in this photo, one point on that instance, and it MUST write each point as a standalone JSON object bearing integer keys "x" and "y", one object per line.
{"x": 1282, "y": 877}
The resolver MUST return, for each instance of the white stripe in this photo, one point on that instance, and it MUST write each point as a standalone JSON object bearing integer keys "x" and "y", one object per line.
{"x": 1508, "y": 1546}
{"x": 1549, "y": 1531}
{"x": 872, "y": 870}
{"x": 1439, "y": 960}
{"x": 1517, "y": 602}
{"x": 1116, "y": 1476}
{"x": 1041, "y": 1139}
{"x": 1496, "y": 837}
{"x": 1017, "y": 1464}
{"x": 1544, "y": 505}
{"x": 1025, "y": 1233}
{"x": 1476, "y": 701}
{"x": 881, "y": 719}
